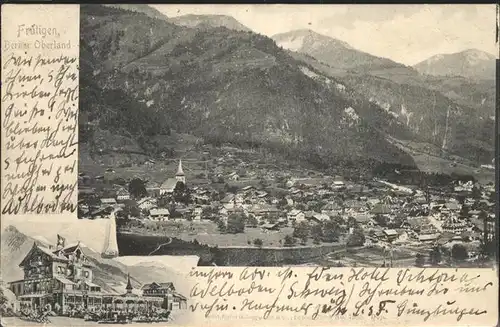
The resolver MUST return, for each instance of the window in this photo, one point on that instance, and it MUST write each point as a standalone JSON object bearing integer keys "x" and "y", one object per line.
{"x": 86, "y": 274}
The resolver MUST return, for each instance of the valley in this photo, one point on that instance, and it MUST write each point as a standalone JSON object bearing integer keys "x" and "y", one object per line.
{"x": 247, "y": 113}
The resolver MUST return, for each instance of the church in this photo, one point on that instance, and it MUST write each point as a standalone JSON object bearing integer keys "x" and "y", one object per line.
{"x": 169, "y": 185}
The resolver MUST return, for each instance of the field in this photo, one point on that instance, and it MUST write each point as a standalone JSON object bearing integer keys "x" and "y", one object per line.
{"x": 206, "y": 232}
{"x": 427, "y": 160}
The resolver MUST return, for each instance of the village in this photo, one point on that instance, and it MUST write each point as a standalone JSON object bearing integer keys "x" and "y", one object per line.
{"x": 420, "y": 226}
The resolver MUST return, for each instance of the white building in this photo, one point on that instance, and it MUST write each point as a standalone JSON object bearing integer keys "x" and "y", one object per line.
{"x": 122, "y": 195}
{"x": 296, "y": 215}
{"x": 169, "y": 185}
{"x": 160, "y": 214}
{"x": 147, "y": 203}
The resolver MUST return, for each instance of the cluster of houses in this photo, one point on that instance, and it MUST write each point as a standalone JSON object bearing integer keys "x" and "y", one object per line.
{"x": 383, "y": 210}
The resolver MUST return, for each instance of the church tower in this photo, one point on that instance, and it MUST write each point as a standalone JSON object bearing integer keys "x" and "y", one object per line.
{"x": 129, "y": 287}
{"x": 180, "y": 177}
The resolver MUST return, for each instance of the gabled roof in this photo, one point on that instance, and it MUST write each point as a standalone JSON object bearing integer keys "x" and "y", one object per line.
{"x": 169, "y": 184}
{"x": 331, "y": 206}
{"x": 294, "y": 212}
{"x": 228, "y": 198}
{"x": 182, "y": 297}
{"x": 390, "y": 232}
{"x": 39, "y": 248}
{"x": 144, "y": 200}
{"x": 155, "y": 285}
{"x": 381, "y": 209}
{"x": 64, "y": 280}
{"x": 108, "y": 200}
{"x": 321, "y": 216}
{"x": 452, "y": 206}
{"x": 122, "y": 191}
{"x": 362, "y": 218}
{"x": 159, "y": 211}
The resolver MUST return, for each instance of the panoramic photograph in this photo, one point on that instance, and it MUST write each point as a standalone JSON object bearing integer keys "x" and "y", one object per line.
{"x": 207, "y": 131}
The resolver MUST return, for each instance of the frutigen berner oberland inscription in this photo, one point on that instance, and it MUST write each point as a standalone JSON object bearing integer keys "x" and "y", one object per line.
{"x": 39, "y": 121}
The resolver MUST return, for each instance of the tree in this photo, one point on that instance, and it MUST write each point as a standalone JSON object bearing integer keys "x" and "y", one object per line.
{"x": 301, "y": 206}
{"x": 459, "y": 252}
{"x": 419, "y": 260}
{"x": 137, "y": 188}
{"x": 258, "y": 242}
{"x": 252, "y": 221}
{"x": 181, "y": 193}
{"x": 289, "y": 240}
{"x": 236, "y": 223}
{"x": 464, "y": 211}
{"x": 435, "y": 255}
{"x": 397, "y": 222}
{"x": 351, "y": 222}
{"x": 131, "y": 209}
{"x": 331, "y": 231}
{"x": 357, "y": 238}
{"x": 317, "y": 231}
{"x": 221, "y": 226}
{"x": 282, "y": 203}
{"x": 381, "y": 220}
{"x": 206, "y": 213}
{"x": 476, "y": 193}
{"x": 301, "y": 231}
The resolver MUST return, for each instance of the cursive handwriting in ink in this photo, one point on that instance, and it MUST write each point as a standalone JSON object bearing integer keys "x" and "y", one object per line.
{"x": 40, "y": 144}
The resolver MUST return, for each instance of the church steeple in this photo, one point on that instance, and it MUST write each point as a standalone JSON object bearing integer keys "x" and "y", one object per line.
{"x": 129, "y": 287}
{"x": 180, "y": 173}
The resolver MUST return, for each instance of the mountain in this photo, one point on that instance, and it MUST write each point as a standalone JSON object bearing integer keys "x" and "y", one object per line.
{"x": 140, "y": 8}
{"x": 453, "y": 114}
{"x": 334, "y": 52}
{"x": 209, "y": 21}
{"x": 471, "y": 63}
{"x": 221, "y": 85}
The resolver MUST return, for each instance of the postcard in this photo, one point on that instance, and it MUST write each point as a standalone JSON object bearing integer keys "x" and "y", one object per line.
{"x": 284, "y": 165}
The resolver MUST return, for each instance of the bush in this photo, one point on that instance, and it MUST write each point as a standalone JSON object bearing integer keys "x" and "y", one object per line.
{"x": 419, "y": 260}
{"x": 301, "y": 231}
{"x": 289, "y": 240}
{"x": 258, "y": 242}
{"x": 459, "y": 252}
{"x": 221, "y": 226}
{"x": 357, "y": 238}
{"x": 236, "y": 223}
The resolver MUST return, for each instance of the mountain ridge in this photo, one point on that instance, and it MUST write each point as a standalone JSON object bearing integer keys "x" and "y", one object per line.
{"x": 333, "y": 51}
{"x": 140, "y": 8}
{"x": 221, "y": 84}
{"x": 470, "y": 63}
{"x": 421, "y": 102}
{"x": 209, "y": 21}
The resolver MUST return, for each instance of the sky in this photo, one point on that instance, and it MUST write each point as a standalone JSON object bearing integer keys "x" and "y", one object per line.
{"x": 404, "y": 33}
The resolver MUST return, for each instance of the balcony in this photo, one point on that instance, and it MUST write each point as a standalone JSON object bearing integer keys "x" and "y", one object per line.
{"x": 40, "y": 292}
